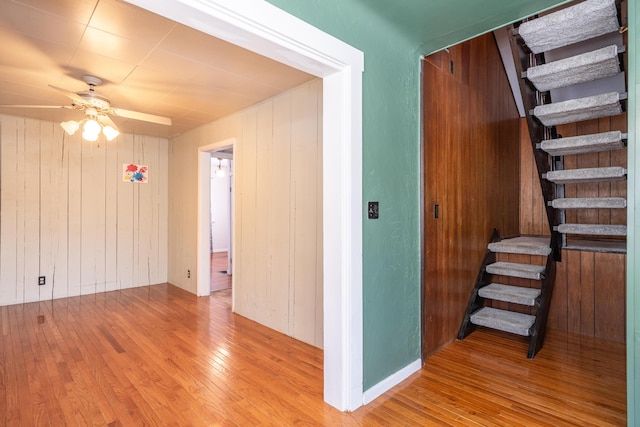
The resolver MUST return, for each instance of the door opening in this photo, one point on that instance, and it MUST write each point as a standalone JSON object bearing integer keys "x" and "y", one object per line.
{"x": 215, "y": 219}
{"x": 220, "y": 221}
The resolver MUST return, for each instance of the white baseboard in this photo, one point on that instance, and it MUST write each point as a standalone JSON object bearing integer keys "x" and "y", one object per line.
{"x": 391, "y": 381}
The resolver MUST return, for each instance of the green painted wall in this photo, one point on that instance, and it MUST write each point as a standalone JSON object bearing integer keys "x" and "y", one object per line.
{"x": 392, "y": 36}
{"x": 633, "y": 222}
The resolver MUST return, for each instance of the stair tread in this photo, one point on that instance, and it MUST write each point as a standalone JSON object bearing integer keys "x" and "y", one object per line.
{"x": 586, "y": 67}
{"x": 514, "y": 269}
{"x": 528, "y": 245}
{"x": 593, "y": 229}
{"x": 573, "y": 176}
{"x": 605, "y": 141}
{"x": 503, "y": 320}
{"x": 599, "y": 244}
{"x": 509, "y": 293}
{"x": 586, "y": 20}
{"x": 590, "y": 203}
{"x": 577, "y": 110}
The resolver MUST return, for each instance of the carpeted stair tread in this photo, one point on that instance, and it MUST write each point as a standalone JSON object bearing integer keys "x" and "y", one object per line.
{"x": 605, "y": 141}
{"x": 576, "y": 176}
{"x": 528, "y": 245}
{"x": 582, "y": 68}
{"x": 577, "y": 110}
{"x": 583, "y": 21}
{"x": 593, "y": 229}
{"x": 508, "y": 293}
{"x": 507, "y": 321}
{"x": 513, "y": 269}
{"x": 590, "y": 203}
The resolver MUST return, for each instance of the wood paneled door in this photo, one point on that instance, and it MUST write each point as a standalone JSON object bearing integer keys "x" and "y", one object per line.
{"x": 471, "y": 176}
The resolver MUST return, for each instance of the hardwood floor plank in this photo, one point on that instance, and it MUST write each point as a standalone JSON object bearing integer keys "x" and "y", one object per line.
{"x": 161, "y": 356}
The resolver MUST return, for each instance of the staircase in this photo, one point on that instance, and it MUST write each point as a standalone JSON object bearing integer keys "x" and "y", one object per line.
{"x": 514, "y": 297}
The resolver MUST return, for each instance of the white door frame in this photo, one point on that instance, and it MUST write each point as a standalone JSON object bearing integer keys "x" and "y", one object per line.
{"x": 263, "y": 28}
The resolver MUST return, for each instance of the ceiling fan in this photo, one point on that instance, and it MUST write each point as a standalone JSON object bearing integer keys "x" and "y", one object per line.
{"x": 97, "y": 109}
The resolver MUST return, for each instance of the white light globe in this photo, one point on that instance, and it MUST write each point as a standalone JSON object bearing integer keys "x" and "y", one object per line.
{"x": 91, "y": 126}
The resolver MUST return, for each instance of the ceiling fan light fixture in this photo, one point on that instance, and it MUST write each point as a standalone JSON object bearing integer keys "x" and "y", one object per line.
{"x": 70, "y": 127}
{"x": 110, "y": 133}
{"x": 90, "y": 136}
{"x": 92, "y": 126}
{"x": 220, "y": 173}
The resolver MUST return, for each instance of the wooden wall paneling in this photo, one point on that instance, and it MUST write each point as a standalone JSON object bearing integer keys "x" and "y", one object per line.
{"x": 304, "y": 178}
{"x": 570, "y": 162}
{"x": 113, "y": 172}
{"x": 559, "y": 306}
{"x": 74, "y": 213}
{"x": 540, "y": 220}
{"x": 135, "y": 214}
{"x": 432, "y": 93}
{"x": 527, "y": 181}
{"x": 53, "y": 211}
{"x": 587, "y": 160}
{"x": 93, "y": 218}
{"x": 20, "y": 212}
{"x": 279, "y": 216}
{"x": 125, "y": 218}
{"x": 574, "y": 291}
{"x": 264, "y": 186}
{"x": 8, "y": 209}
{"x": 160, "y": 273}
{"x": 147, "y": 230}
{"x": 447, "y": 210}
{"x": 587, "y": 288}
{"x": 30, "y": 212}
{"x": 609, "y": 282}
{"x": 451, "y": 219}
{"x": 246, "y": 259}
{"x": 60, "y": 224}
{"x": 619, "y": 158}
{"x": 604, "y": 160}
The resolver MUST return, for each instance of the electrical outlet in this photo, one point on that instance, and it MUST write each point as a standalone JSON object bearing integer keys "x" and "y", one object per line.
{"x": 42, "y": 281}
{"x": 188, "y": 274}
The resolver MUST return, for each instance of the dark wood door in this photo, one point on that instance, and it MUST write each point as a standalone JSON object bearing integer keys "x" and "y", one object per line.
{"x": 471, "y": 172}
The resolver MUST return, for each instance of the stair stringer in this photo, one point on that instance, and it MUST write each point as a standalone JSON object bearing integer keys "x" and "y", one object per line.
{"x": 543, "y": 304}
{"x": 523, "y": 58}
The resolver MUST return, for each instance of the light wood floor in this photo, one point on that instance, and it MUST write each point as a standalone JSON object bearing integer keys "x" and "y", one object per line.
{"x": 161, "y": 356}
{"x": 219, "y": 278}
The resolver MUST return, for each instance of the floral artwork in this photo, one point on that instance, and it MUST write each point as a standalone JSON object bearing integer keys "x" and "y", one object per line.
{"x": 135, "y": 173}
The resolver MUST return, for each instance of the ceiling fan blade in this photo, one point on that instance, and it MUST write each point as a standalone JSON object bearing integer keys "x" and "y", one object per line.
{"x": 106, "y": 120}
{"x": 141, "y": 116}
{"x": 35, "y": 106}
{"x": 74, "y": 96}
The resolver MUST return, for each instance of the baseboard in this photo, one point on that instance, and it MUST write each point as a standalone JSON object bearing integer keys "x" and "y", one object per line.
{"x": 391, "y": 381}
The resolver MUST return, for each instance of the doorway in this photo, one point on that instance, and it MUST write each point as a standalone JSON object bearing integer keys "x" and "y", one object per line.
{"x": 275, "y": 34}
{"x": 220, "y": 234}
{"x": 215, "y": 176}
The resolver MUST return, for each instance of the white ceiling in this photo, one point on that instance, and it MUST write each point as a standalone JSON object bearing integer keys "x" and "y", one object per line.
{"x": 148, "y": 63}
